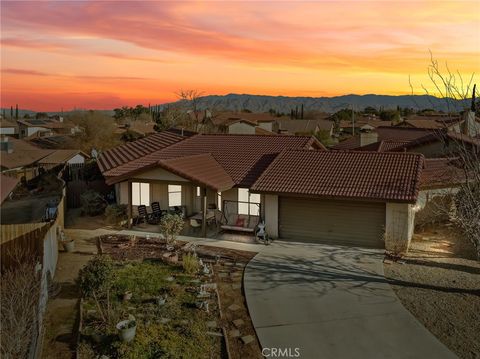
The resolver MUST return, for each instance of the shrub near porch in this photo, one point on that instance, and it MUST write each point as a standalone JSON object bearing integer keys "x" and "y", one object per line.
{"x": 175, "y": 329}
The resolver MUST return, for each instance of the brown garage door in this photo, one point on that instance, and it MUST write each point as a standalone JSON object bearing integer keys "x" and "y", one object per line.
{"x": 338, "y": 222}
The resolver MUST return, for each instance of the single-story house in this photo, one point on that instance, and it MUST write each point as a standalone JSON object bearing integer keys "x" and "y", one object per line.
{"x": 45, "y": 127}
{"x": 301, "y": 190}
{"x": 8, "y": 128}
{"x": 20, "y": 158}
{"x": 238, "y": 122}
{"x": 303, "y": 127}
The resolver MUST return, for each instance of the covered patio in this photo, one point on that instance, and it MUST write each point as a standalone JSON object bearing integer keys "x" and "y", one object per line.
{"x": 196, "y": 187}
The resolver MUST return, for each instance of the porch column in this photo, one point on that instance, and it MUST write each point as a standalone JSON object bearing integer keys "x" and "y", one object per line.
{"x": 204, "y": 213}
{"x": 130, "y": 208}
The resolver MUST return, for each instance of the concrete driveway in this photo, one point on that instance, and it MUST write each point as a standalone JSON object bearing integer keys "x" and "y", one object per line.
{"x": 331, "y": 302}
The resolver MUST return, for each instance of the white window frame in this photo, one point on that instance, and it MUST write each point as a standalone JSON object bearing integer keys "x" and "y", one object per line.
{"x": 174, "y": 189}
{"x": 246, "y": 204}
{"x": 140, "y": 193}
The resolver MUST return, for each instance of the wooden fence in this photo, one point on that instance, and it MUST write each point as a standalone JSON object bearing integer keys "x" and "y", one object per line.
{"x": 12, "y": 231}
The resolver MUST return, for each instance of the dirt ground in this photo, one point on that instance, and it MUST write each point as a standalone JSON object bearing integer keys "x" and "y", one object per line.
{"x": 62, "y": 311}
{"x": 439, "y": 283}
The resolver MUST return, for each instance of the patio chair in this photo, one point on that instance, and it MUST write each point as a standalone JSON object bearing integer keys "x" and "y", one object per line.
{"x": 144, "y": 216}
{"x": 195, "y": 224}
{"x": 156, "y": 210}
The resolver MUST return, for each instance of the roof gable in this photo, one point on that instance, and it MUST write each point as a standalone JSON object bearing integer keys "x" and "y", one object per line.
{"x": 243, "y": 157}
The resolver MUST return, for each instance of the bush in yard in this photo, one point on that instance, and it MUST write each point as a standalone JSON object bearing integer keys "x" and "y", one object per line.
{"x": 190, "y": 263}
{"x": 93, "y": 203}
{"x": 115, "y": 213}
{"x": 95, "y": 280}
{"x": 170, "y": 226}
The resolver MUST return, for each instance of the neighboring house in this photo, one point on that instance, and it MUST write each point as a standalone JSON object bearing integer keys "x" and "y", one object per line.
{"x": 45, "y": 127}
{"x": 20, "y": 159}
{"x": 238, "y": 122}
{"x": 8, "y": 128}
{"x": 69, "y": 157}
{"x": 303, "y": 127}
{"x": 361, "y": 123}
{"x": 440, "y": 181}
{"x": 302, "y": 191}
{"x": 51, "y": 142}
{"x": 382, "y": 133}
{"x": 7, "y": 185}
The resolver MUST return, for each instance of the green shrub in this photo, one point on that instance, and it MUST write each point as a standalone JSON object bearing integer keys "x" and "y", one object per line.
{"x": 170, "y": 226}
{"x": 115, "y": 213}
{"x": 190, "y": 263}
{"x": 95, "y": 281}
{"x": 93, "y": 203}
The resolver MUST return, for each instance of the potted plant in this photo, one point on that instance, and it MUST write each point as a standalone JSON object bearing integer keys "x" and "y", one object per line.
{"x": 68, "y": 245}
{"x": 127, "y": 329}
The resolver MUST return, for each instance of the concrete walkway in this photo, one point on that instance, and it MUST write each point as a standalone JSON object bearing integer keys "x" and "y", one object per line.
{"x": 331, "y": 302}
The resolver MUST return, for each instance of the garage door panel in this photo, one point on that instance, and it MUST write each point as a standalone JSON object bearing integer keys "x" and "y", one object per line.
{"x": 340, "y": 222}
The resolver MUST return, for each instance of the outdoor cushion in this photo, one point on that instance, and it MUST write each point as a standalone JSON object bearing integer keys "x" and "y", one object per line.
{"x": 240, "y": 222}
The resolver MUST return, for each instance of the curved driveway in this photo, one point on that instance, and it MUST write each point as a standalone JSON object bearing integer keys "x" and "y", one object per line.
{"x": 331, "y": 302}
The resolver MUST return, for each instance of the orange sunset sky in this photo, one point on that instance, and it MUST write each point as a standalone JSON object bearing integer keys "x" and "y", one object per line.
{"x": 102, "y": 54}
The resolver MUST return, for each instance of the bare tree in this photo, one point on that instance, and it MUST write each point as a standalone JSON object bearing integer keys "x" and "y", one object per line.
{"x": 190, "y": 100}
{"x": 462, "y": 147}
{"x": 19, "y": 307}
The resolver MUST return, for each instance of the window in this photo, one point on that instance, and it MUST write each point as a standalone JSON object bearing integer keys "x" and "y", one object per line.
{"x": 219, "y": 200}
{"x": 140, "y": 193}
{"x": 248, "y": 202}
{"x": 198, "y": 191}
{"x": 174, "y": 195}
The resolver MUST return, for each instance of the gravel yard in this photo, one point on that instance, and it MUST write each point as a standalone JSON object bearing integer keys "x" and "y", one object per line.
{"x": 439, "y": 283}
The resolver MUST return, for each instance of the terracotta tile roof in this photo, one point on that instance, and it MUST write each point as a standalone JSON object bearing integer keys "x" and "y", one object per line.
{"x": 304, "y": 126}
{"x": 441, "y": 173}
{"x": 243, "y": 157}
{"x": 7, "y": 184}
{"x": 392, "y": 177}
{"x": 250, "y": 117}
{"x": 384, "y": 146}
{"x": 133, "y": 150}
{"x": 431, "y": 124}
{"x": 400, "y": 134}
{"x": 7, "y": 124}
{"x": 202, "y": 169}
{"x": 262, "y": 131}
{"x": 61, "y": 156}
{"x": 23, "y": 154}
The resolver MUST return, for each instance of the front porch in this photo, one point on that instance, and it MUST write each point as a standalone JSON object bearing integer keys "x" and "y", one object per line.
{"x": 213, "y": 232}
{"x": 152, "y": 193}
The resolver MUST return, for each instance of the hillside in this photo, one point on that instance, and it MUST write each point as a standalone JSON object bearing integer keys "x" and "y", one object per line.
{"x": 259, "y": 103}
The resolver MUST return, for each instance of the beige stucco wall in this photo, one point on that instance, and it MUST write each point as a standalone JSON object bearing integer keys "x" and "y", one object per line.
{"x": 241, "y": 128}
{"x": 271, "y": 215}
{"x": 399, "y": 226}
{"x": 266, "y": 126}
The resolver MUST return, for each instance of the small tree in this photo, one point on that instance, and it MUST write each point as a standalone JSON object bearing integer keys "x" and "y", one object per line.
{"x": 171, "y": 225}
{"x": 96, "y": 280}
